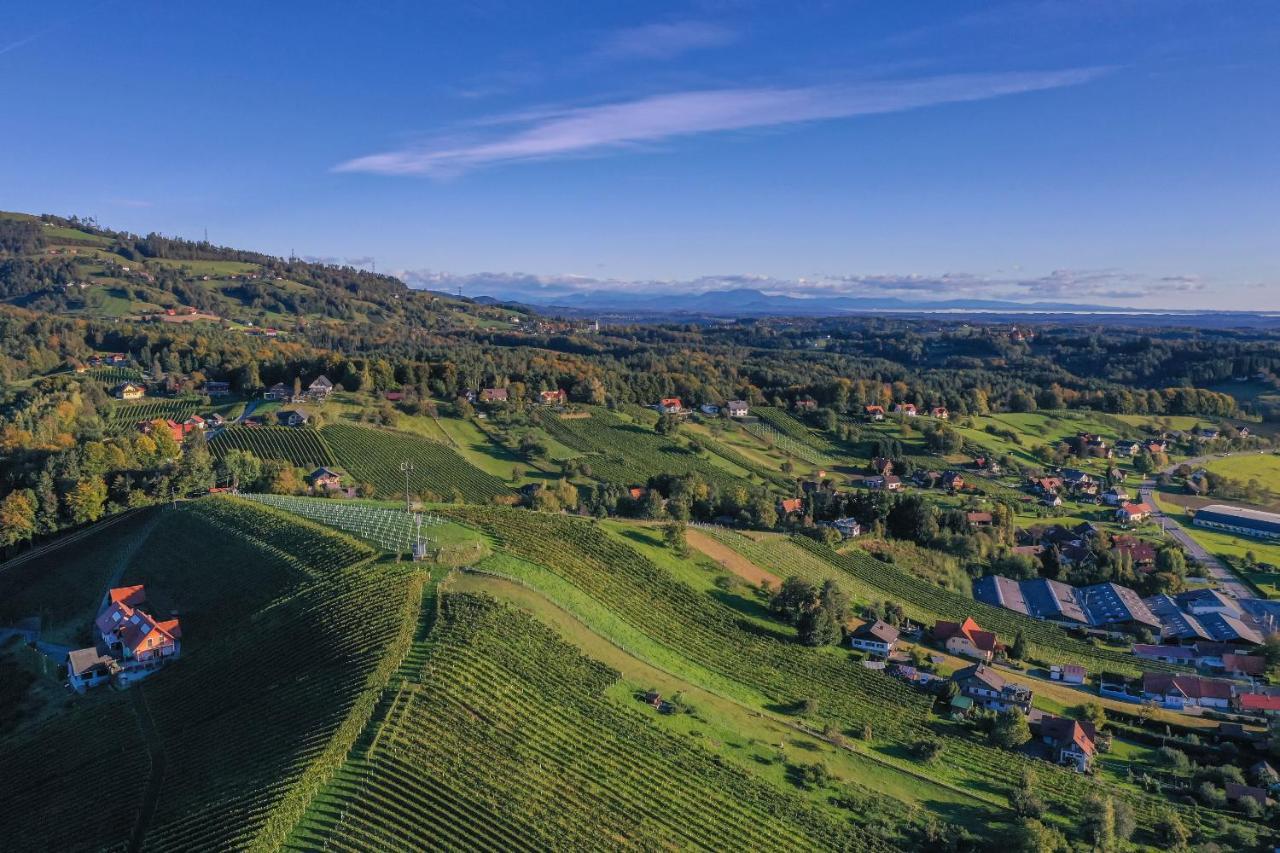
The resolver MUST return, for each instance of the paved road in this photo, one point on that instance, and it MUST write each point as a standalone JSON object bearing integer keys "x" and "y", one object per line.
{"x": 1219, "y": 571}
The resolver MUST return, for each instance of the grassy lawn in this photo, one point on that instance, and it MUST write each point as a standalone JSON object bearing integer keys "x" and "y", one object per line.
{"x": 1231, "y": 548}
{"x": 219, "y": 268}
{"x": 1263, "y": 467}
{"x": 471, "y": 443}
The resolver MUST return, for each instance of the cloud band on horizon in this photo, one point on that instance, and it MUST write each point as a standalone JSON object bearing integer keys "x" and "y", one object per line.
{"x": 580, "y": 130}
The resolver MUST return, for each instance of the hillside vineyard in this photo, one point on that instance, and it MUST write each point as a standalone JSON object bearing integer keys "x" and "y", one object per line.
{"x": 431, "y": 572}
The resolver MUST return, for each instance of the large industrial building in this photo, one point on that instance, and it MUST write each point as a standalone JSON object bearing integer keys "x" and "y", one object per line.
{"x": 1235, "y": 519}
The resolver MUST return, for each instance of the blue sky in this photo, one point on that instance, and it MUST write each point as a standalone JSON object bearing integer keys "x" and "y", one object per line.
{"x": 1118, "y": 152}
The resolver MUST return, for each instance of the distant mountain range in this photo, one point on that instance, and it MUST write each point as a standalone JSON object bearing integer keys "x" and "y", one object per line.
{"x": 748, "y": 302}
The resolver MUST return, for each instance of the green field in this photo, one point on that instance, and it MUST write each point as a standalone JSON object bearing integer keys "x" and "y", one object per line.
{"x": 629, "y": 453}
{"x": 1262, "y": 467}
{"x": 299, "y": 446}
{"x": 374, "y": 456}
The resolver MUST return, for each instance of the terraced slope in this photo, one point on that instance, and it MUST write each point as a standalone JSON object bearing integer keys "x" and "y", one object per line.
{"x": 621, "y": 452}
{"x": 672, "y": 613}
{"x": 288, "y": 634}
{"x": 302, "y": 448}
{"x": 698, "y": 636}
{"x": 374, "y": 456}
{"x": 506, "y": 741}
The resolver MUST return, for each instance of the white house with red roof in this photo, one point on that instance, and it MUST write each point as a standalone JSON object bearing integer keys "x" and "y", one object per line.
{"x": 131, "y": 645}
{"x": 967, "y": 638}
{"x": 1130, "y": 513}
{"x": 1072, "y": 742}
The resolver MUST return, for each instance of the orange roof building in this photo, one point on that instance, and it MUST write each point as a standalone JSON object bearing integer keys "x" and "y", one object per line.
{"x": 967, "y": 638}
{"x": 132, "y": 643}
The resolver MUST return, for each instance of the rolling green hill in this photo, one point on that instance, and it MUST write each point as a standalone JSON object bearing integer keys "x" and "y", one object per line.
{"x": 330, "y": 697}
{"x": 72, "y": 266}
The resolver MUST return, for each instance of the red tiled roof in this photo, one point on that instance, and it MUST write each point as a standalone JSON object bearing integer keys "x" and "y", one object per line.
{"x": 1259, "y": 702}
{"x": 1064, "y": 731}
{"x": 1190, "y": 686}
{"x": 972, "y": 631}
{"x": 791, "y": 504}
{"x": 131, "y": 596}
{"x": 1246, "y": 664}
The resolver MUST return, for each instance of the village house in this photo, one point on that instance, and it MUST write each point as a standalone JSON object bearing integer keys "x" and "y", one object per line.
{"x": 176, "y": 431}
{"x": 131, "y": 644}
{"x": 278, "y": 392}
{"x": 293, "y": 417}
{"x": 848, "y": 528}
{"x": 940, "y": 412}
{"x": 806, "y": 404}
{"x": 324, "y": 479}
{"x": 1116, "y": 496}
{"x": 789, "y": 506}
{"x": 493, "y": 395}
{"x": 1258, "y": 703}
{"x": 1130, "y": 513}
{"x": 320, "y": 389}
{"x": 990, "y": 689}
{"x": 889, "y": 483}
{"x": 1181, "y": 691}
{"x": 558, "y": 397}
{"x": 953, "y": 480}
{"x": 876, "y": 637}
{"x": 1244, "y": 666}
{"x": 1236, "y": 792}
{"x": 987, "y": 464}
{"x": 979, "y": 519}
{"x": 1068, "y": 673}
{"x": 1073, "y": 742}
{"x": 1182, "y": 655}
{"x": 874, "y": 413}
{"x": 966, "y": 638}
{"x": 213, "y": 388}
{"x": 882, "y": 465}
{"x": 737, "y": 408}
{"x": 129, "y": 391}
{"x": 670, "y": 406}
{"x": 1128, "y": 447}
{"x": 215, "y": 420}
{"x": 908, "y": 409}
{"x": 1075, "y": 479}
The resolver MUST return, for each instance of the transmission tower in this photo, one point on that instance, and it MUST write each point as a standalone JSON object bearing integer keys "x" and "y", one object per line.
{"x": 407, "y": 467}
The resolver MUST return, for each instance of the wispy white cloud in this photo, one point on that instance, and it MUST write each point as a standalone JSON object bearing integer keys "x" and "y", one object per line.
{"x": 552, "y": 133}
{"x": 20, "y": 42}
{"x": 664, "y": 41}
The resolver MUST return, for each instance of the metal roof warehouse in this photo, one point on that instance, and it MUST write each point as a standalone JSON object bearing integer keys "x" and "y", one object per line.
{"x": 1251, "y": 522}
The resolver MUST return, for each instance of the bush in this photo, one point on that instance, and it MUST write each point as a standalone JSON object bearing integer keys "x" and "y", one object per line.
{"x": 927, "y": 749}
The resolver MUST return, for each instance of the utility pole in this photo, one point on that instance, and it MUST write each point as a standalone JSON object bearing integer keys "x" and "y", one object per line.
{"x": 407, "y": 467}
